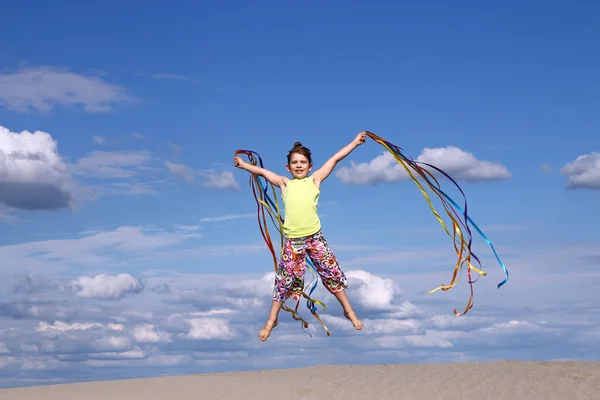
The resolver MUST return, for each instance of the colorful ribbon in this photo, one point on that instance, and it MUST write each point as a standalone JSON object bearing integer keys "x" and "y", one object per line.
{"x": 465, "y": 245}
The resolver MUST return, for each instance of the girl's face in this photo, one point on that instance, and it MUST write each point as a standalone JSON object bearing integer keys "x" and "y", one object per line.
{"x": 299, "y": 166}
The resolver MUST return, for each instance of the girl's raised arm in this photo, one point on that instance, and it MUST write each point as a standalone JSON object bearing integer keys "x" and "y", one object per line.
{"x": 272, "y": 177}
{"x": 322, "y": 173}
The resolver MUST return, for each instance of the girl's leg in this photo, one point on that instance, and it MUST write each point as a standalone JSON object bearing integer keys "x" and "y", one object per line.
{"x": 289, "y": 282}
{"x": 348, "y": 311}
{"x": 272, "y": 322}
{"x": 332, "y": 276}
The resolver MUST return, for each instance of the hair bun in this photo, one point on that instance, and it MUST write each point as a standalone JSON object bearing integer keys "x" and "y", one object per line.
{"x": 300, "y": 149}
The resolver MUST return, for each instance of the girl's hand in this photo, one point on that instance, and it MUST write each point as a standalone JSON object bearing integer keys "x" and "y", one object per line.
{"x": 360, "y": 138}
{"x": 238, "y": 162}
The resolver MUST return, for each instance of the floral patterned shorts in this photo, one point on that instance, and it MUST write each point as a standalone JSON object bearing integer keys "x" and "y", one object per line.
{"x": 289, "y": 280}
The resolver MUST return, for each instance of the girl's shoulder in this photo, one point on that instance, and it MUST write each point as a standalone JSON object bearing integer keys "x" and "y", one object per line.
{"x": 315, "y": 182}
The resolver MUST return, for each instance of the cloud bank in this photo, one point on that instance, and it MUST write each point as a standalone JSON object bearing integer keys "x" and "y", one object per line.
{"x": 457, "y": 163}
{"x": 114, "y": 325}
{"x": 211, "y": 326}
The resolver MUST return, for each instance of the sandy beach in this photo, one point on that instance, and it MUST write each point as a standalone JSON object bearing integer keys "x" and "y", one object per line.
{"x": 507, "y": 380}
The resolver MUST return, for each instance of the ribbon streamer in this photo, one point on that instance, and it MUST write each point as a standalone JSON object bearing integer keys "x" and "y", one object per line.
{"x": 409, "y": 163}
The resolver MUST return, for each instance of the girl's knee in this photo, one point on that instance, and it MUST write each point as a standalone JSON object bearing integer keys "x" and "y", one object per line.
{"x": 286, "y": 286}
{"x": 335, "y": 283}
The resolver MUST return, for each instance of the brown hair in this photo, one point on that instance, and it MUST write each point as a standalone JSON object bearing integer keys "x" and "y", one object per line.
{"x": 300, "y": 149}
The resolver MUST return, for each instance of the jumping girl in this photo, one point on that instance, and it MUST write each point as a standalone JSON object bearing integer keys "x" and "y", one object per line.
{"x": 302, "y": 231}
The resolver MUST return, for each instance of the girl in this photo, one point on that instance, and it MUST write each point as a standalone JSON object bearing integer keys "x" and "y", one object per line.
{"x": 302, "y": 231}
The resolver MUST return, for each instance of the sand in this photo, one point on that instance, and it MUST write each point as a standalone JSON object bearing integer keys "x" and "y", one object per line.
{"x": 507, "y": 380}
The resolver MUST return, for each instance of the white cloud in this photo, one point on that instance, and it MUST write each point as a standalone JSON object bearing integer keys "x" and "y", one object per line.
{"x": 76, "y": 326}
{"x": 139, "y": 136}
{"x": 147, "y": 333}
{"x": 32, "y": 173}
{"x": 6, "y": 216}
{"x": 460, "y": 165}
{"x": 429, "y": 339}
{"x": 373, "y": 291}
{"x": 211, "y": 251}
{"x": 400, "y": 257}
{"x": 187, "y": 228}
{"x": 43, "y": 88}
{"x": 181, "y": 171}
{"x": 114, "y": 140}
{"x": 172, "y": 77}
{"x": 547, "y": 168}
{"x": 107, "y": 248}
{"x": 99, "y": 139}
{"x": 212, "y": 179}
{"x": 209, "y": 328}
{"x": 448, "y": 321}
{"x": 583, "y": 172}
{"x": 175, "y": 148}
{"x": 127, "y": 189}
{"x": 221, "y": 180}
{"x": 106, "y": 287}
{"x": 227, "y": 217}
{"x": 111, "y": 164}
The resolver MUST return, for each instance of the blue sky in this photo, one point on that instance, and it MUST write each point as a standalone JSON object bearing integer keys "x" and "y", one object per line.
{"x": 134, "y": 240}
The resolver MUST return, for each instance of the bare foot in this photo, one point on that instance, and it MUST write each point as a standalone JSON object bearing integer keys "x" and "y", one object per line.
{"x": 266, "y": 331}
{"x": 357, "y": 323}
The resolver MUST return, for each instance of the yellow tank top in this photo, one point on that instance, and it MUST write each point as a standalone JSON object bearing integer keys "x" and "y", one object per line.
{"x": 300, "y": 200}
